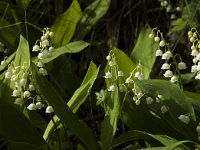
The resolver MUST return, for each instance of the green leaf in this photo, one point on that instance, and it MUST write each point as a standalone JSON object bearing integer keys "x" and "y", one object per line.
{"x": 15, "y": 127}
{"x": 64, "y": 27}
{"x": 124, "y": 62}
{"x": 109, "y": 125}
{"x": 135, "y": 135}
{"x": 178, "y": 25}
{"x": 90, "y": 17}
{"x": 78, "y": 97}
{"x": 73, "y": 47}
{"x": 22, "y": 53}
{"x": 167, "y": 123}
{"x": 61, "y": 109}
{"x": 82, "y": 93}
{"x": 144, "y": 51}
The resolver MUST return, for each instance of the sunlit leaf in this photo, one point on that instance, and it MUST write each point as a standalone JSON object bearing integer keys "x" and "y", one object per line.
{"x": 61, "y": 109}
{"x": 73, "y": 47}
{"x": 64, "y": 26}
{"x": 144, "y": 51}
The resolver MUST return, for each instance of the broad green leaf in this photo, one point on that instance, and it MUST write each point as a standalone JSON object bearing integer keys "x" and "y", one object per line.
{"x": 78, "y": 97}
{"x": 65, "y": 25}
{"x": 90, "y": 17}
{"x": 124, "y": 62}
{"x": 144, "y": 51}
{"x": 65, "y": 114}
{"x": 168, "y": 90}
{"x": 136, "y": 117}
{"x": 22, "y": 53}
{"x": 8, "y": 60}
{"x": 15, "y": 127}
{"x": 109, "y": 125}
{"x": 82, "y": 93}
{"x": 73, "y": 47}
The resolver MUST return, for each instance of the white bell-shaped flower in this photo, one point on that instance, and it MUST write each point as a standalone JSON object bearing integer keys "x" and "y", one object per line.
{"x": 8, "y": 75}
{"x": 31, "y": 87}
{"x": 194, "y": 53}
{"x": 112, "y": 88}
{"x": 165, "y": 66}
{"x": 49, "y": 109}
{"x": 139, "y": 75}
{"x": 159, "y": 52}
{"x": 36, "y": 48}
{"x": 16, "y": 93}
{"x": 173, "y": 79}
{"x": 27, "y": 94}
{"x": 167, "y": 55}
{"x": 181, "y": 66}
{"x": 39, "y": 105}
{"x": 32, "y": 106}
{"x": 108, "y": 75}
{"x": 168, "y": 74}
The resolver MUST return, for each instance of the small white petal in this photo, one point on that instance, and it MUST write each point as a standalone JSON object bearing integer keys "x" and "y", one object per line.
{"x": 168, "y": 74}
{"x": 159, "y": 52}
{"x": 36, "y": 48}
{"x": 27, "y": 94}
{"x": 8, "y": 75}
{"x": 49, "y": 109}
{"x": 16, "y": 93}
{"x": 181, "y": 65}
{"x": 39, "y": 105}
{"x": 165, "y": 66}
{"x": 174, "y": 79}
{"x": 108, "y": 75}
{"x": 32, "y": 106}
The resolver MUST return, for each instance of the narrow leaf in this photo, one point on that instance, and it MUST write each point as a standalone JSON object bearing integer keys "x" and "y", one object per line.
{"x": 61, "y": 109}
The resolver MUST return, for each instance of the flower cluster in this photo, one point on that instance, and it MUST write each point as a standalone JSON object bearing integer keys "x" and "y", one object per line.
{"x": 20, "y": 77}
{"x": 166, "y": 54}
{"x": 44, "y": 48}
{"x": 114, "y": 74}
{"x": 195, "y": 52}
{"x": 173, "y": 11}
